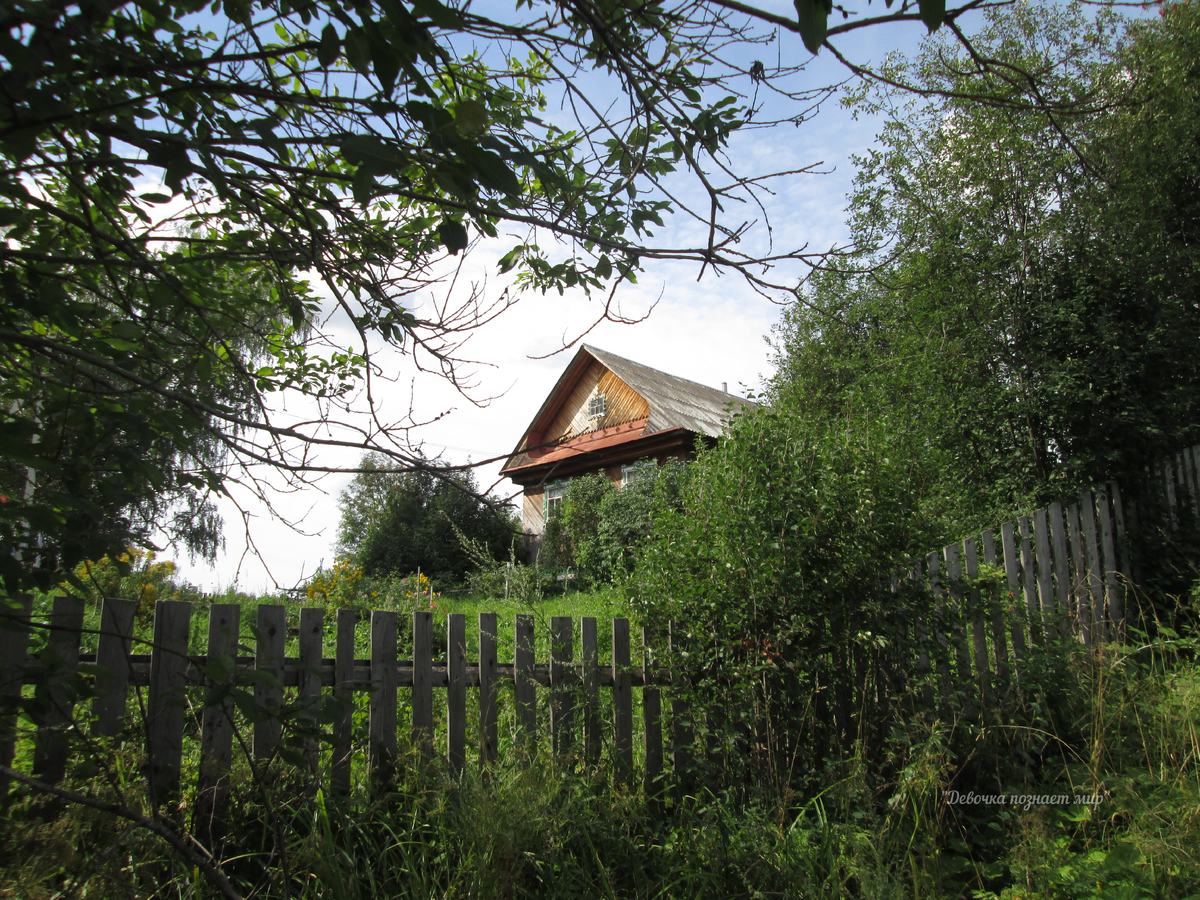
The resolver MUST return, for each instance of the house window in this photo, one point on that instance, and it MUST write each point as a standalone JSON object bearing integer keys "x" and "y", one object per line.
{"x": 636, "y": 470}
{"x": 596, "y": 406}
{"x": 552, "y": 498}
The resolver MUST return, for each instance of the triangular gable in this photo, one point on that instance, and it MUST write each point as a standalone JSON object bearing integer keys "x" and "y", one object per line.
{"x": 565, "y": 413}
{"x": 675, "y": 402}
{"x": 638, "y": 398}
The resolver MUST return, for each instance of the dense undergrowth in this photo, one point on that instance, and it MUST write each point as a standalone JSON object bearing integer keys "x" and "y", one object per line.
{"x": 1082, "y": 781}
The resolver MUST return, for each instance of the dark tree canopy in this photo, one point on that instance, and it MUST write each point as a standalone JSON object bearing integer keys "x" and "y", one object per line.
{"x": 400, "y": 522}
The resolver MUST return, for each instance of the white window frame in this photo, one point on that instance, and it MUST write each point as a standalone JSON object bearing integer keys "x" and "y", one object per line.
{"x": 636, "y": 468}
{"x": 597, "y": 406}
{"x": 552, "y": 495}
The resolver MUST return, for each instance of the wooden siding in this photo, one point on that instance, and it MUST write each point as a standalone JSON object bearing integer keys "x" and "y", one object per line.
{"x": 622, "y": 404}
{"x": 531, "y": 511}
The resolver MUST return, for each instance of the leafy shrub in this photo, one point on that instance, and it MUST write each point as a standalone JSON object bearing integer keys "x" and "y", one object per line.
{"x": 777, "y": 567}
{"x": 601, "y": 529}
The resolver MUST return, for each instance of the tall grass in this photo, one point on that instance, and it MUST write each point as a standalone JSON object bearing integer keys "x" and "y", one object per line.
{"x": 1121, "y": 723}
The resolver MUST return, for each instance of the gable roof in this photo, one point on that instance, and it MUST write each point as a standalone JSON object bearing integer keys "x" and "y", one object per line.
{"x": 673, "y": 403}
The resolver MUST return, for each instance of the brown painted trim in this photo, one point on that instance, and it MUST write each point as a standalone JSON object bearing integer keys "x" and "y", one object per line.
{"x": 666, "y": 441}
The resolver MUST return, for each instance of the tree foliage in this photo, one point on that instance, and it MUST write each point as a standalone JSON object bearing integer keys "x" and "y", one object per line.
{"x": 155, "y": 157}
{"x": 1024, "y": 296}
{"x": 600, "y": 529}
{"x": 400, "y": 522}
{"x": 775, "y": 565}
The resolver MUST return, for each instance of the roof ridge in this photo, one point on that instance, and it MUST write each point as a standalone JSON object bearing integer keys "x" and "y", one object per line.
{"x": 633, "y": 362}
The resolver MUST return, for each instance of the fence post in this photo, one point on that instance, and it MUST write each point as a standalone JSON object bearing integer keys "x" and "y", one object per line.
{"x": 962, "y": 659}
{"x": 1095, "y": 616}
{"x": 978, "y": 630}
{"x": 422, "y": 689}
{"x": 1188, "y": 479}
{"x": 216, "y": 724}
{"x": 1062, "y": 577}
{"x": 591, "y": 689}
{"x": 165, "y": 707}
{"x": 1032, "y": 617}
{"x": 1165, "y": 471}
{"x": 1123, "y": 549}
{"x": 1079, "y": 585}
{"x": 1045, "y": 574}
{"x": 112, "y": 665}
{"x": 14, "y": 644}
{"x": 312, "y": 644}
{"x": 1114, "y": 627}
{"x": 456, "y": 692}
{"x": 999, "y": 630}
{"x": 343, "y": 687}
{"x": 1008, "y": 545}
{"x": 51, "y": 744}
{"x": 381, "y": 707}
{"x": 271, "y": 622}
{"x": 524, "y": 686}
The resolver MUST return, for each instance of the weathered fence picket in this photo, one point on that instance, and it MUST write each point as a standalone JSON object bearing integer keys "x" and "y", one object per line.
{"x": 622, "y": 695}
{"x": 14, "y": 639}
{"x": 488, "y": 709}
{"x": 381, "y": 707}
{"x": 216, "y": 723}
{"x": 52, "y": 744}
{"x": 113, "y": 647}
{"x": 456, "y": 691}
{"x": 343, "y": 688}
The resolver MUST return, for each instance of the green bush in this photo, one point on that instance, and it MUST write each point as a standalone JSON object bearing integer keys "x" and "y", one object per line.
{"x": 600, "y": 530}
{"x": 777, "y": 567}
{"x": 398, "y": 523}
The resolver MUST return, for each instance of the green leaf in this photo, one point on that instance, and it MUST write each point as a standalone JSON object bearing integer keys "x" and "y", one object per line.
{"x": 330, "y": 48}
{"x": 494, "y": 173}
{"x": 368, "y": 149}
{"x": 932, "y": 13}
{"x": 813, "y": 18}
{"x": 438, "y": 13}
{"x": 385, "y": 56}
{"x": 470, "y": 117}
{"x": 453, "y": 235}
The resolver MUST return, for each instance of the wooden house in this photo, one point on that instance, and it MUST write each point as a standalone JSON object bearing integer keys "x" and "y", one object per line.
{"x": 610, "y": 414}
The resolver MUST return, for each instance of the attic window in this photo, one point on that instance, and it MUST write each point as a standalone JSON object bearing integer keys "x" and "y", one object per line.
{"x": 596, "y": 406}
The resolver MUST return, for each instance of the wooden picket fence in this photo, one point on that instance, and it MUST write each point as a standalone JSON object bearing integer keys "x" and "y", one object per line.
{"x": 170, "y": 675}
{"x": 1067, "y": 571}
